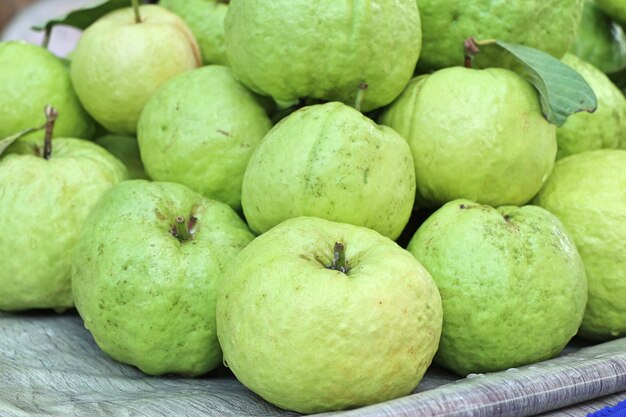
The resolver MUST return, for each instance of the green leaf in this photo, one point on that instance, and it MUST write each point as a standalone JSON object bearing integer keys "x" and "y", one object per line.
{"x": 562, "y": 90}
{"x": 6, "y": 142}
{"x": 82, "y": 18}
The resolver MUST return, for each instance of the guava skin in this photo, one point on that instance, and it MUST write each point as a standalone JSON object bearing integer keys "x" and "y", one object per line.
{"x": 205, "y": 18}
{"x": 512, "y": 284}
{"x": 283, "y": 48}
{"x": 126, "y": 149}
{"x": 200, "y": 130}
{"x": 330, "y": 161}
{"x": 603, "y": 129}
{"x": 312, "y": 339}
{"x": 600, "y": 41}
{"x": 33, "y": 78}
{"x": 475, "y": 134}
{"x": 148, "y": 298}
{"x": 587, "y": 192}
{"x": 43, "y": 205}
{"x": 118, "y": 64}
{"x": 549, "y": 25}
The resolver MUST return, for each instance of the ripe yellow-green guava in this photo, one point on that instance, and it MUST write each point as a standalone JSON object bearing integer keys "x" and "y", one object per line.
{"x": 291, "y": 49}
{"x": 587, "y": 192}
{"x": 43, "y": 207}
{"x": 549, "y": 25}
{"x": 311, "y": 328}
{"x": 330, "y": 161}
{"x": 30, "y": 79}
{"x": 602, "y": 129}
{"x": 119, "y": 63}
{"x": 475, "y": 134}
{"x": 512, "y": 284}
{"x": 200, "y": 129}
{"x": 146, "y": 271}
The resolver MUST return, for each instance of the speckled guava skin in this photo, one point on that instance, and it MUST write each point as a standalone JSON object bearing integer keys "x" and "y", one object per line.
{"x": 43, "y": 205}
{"x": 148, "y": 298}
{"x": 200, "y": 129}
{"x": 587, "y": 192}
{"x": 30, "y": 79}
{"x": 600, "y": 41}
{"x": 616, "y": 9}
{"x": 603, "y": 129}
{"x": 512, "y": 284}
{"x": 549, "y": 25}
{"x": 312, "y": 339}
{"x": 118, "y": 64}
{"x": 291, "y": 49}
{"x": 205, "y": 18}
{"x": 330, "y": 161}
{"x": 475, "y": 134}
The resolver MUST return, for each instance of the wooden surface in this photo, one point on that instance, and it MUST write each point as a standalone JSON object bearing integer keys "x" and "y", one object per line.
{"x": 49, "y": 366}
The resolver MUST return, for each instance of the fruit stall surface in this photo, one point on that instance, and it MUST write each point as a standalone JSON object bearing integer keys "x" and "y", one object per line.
{"x": 50, "y": 366}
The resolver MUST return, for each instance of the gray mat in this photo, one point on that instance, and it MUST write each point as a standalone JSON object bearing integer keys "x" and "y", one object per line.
{"x": 49, "y": 366}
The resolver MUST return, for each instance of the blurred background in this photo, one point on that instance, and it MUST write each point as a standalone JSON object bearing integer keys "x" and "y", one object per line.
{"x": 17, "y": 17}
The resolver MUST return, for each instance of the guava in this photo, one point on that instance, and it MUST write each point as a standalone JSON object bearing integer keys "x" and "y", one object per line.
{"x": 587, "y": 192}
{"x": 549, "y": 25}
{"x": 30, "y": 79}
{"x": 600, "y": 41}
{"x": 200, "y": 129}
{"x": 146, "y": 271}
{"x": 126, "y": 149}
{"x": 317, "y": 316}
{"x": 512, "y": 284}
{"x": 119, "y": 63}
{"x": 330, "y": 161}
{"x": 604, "y": 128}
{"x": 205, "y": 18}
{"x": 475, "y": 134}
{"x": 291, "y": 49}
{"x": 43, "y": 206}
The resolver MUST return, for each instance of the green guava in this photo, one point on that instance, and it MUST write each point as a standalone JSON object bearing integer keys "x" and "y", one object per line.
{"x": 30, "y": 79}
{"x": 549, "y": 25}
{"x": 118, "y": 63}
{"x": 600, "y": 41}
{"x": 512, "y": 284}
{"x": 291, "y": 49}
{"x": 126, "y": 149}
{"x": 318, "y": 316}
{"x": 604, "y": 128}
{"x": 200, "y": 129}
{"x": 146, "y": 271}
{"x": 475, "y": 134}
{"x": 205, "y": 18}
{"x": 330, "y": 161}
{"x": 615, "y": 9}
{"x": 43, "y": 205}
{"x": 587, "y": 192}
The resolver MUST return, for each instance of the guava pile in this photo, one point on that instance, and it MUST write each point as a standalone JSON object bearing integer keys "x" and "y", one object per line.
{"x": 324, "y": 197}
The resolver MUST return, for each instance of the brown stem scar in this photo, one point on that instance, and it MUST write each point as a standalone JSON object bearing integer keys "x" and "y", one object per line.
{"x": 51, "y": 117}
{"x": 471, "y": 49}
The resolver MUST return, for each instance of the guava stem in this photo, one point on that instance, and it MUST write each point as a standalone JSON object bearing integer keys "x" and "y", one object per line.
{"x": 136, "y": 10}
{"x": 46, "y": 37}
{"x": 51, "y": 117}
{"x": 471, "y": 49}
{"x": 360, "y": 96}
{"x": 182, "y": 230}
{"x": 339, "y": 258}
